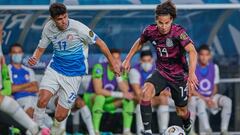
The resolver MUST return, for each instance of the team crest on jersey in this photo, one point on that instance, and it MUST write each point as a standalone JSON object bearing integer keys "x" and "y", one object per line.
{"x": 183, "y": 36}
{"x": 169, "y": 42}
{"x": 69, "y": 37}
{"x": 91, "y": 33}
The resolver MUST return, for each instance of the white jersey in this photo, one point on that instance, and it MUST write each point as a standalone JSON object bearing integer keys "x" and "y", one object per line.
{"x": 70, "y": 47}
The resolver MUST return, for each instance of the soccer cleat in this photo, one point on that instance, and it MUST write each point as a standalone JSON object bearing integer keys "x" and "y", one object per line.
{"x": 187, "y": 128}
{"x": 208, "y": 132}
{"x": 145, "y": 133}
{"x": 45, "y": 131}
{"x": 127, "y": 133}
{"x": 224, "y": 133}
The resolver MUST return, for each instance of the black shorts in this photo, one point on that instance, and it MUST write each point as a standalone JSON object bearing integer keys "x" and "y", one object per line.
{"x": 179, "y": 91}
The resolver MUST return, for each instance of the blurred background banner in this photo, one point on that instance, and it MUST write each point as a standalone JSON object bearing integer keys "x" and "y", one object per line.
{"x": 119, "y": 29}
{"x": 98, "y": 2}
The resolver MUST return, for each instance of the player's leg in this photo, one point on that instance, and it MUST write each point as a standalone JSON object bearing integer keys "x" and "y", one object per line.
{"x": 162, "y": 110}
{"x": 203, "y": 116}
{"x": 192, "y": 105}
{"x": 48, "y": 87}
{"x": 85, "y": 113}
{"x": 97, "y": 111}
{"x": 128, "y": 109}
{"x": 139, "y": 124}
{"x": 12, "y": 108}
{"x": 180, "y": 97}
{"x": 226, "y": 104}
{"x": 153, "y": 85}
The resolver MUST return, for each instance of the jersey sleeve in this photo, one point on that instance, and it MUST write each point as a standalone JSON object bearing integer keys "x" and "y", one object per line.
{"x": 44, "y": 41}
{"x": 97, "y": 71}
{"x": 217, "y": 75}
{"x": 134, "y": 76}
{"x": 87, "y": 34}
{"x": 183, "y": 38}
{"x": 144, "y": 36}
{"x": 32, "y": 75}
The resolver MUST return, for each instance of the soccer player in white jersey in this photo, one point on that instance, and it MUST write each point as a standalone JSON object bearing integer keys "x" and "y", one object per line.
{"x": 9, "y": 105}
{"x": 70, "y": 40}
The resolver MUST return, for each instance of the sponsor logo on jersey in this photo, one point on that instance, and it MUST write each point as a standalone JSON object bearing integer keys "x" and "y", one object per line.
{"x": 69, "y": 37}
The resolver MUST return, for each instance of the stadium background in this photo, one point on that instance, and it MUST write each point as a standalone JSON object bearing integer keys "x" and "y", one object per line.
{"x": 219, "y": 27}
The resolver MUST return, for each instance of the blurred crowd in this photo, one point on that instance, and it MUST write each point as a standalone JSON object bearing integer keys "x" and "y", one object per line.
{"x": 103, "y": 92}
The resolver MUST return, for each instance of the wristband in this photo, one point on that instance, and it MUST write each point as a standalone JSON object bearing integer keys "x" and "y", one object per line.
{"x": 117, "y": 94}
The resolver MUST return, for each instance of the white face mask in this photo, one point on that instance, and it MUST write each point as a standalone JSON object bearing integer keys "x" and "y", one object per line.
{"x": 146, "y": 66}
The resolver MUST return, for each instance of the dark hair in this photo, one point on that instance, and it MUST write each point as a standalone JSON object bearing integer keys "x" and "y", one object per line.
{"x": 204, "y": 47}
{"x": 16, "y": 45}
{"x": 166, "y": 8}
{"x": 145, "y": 53}
{"x": 57, "y": 9}
{"x": 114, "y": 50}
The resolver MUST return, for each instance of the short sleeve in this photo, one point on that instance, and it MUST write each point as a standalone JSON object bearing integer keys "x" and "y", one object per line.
{"x": 87, "y": 34}
{"x": 134, "y": 76}
{"x": 97, "y": 71}
{"x": 44, "y": 41}
{"x": 183, "y": 38}
{"x": 217, "y": 74}
{"x": 144, "y": 36}
{"x": 32, "y": 75}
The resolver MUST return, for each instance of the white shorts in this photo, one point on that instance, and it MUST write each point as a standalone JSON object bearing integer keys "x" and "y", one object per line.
{"x": 27, "y": 102}
{"x": 65, "y": 86}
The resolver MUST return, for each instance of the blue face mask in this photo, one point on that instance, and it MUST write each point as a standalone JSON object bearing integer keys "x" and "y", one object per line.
{"x": 17, "y": 58}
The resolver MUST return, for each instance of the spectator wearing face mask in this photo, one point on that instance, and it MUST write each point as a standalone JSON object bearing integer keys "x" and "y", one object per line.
{"x": 137, "y": 76}
{"x": 24, "y": 84}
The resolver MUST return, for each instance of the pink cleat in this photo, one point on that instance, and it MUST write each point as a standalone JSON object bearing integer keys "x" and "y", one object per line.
{"x": 45, "y": 131}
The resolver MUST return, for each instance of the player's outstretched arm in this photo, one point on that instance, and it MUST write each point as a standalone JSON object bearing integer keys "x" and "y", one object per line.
{"x": 136, "y": 47}
{"x": 103, "y": 47}
{"x": 36, "y": 56}
{"x": 192, "y": 79}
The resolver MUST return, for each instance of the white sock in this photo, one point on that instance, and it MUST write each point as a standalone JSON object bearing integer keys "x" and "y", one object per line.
{"x": 12, "y": 108}
{"x": 139, "y": 124}
{"x": 126, "y": 130}
{"x": 87, "y": 118}
{"x": 38, "y": 116}
{"x": 192, "y": 108}
{"x": 226, "y": 104}
{"x": 75, "y": 121}
{"x": 163, "y": 117}
{"x": 48, "y": 120}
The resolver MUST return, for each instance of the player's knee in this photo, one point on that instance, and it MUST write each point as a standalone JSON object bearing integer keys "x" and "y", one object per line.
{"x": 163, "y": 100}
{"x": 227, "y": 102}
{"x": 60, "y": 116}
{"x": 79, "y": 103}
{"x": 148, "y": 92}
{"x": 42, "y": 102}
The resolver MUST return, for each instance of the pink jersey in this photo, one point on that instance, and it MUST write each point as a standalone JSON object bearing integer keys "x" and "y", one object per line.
{"x": 171, "y": 56}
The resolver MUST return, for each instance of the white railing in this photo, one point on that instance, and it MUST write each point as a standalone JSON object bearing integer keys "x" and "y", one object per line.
{"x": 122, "y": 7}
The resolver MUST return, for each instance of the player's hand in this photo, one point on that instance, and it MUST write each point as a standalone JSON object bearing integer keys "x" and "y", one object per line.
{"x": 128, "y": 95}
{"x": 32, "y": 61}
{"x": 126, "y": 65}
{"x": 116, "y": 69}
{"x": 210, "y": 103}
{"x": 192, "y": 82}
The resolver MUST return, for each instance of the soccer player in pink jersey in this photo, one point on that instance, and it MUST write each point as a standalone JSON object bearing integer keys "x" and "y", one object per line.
{"x": 171, "y": 43}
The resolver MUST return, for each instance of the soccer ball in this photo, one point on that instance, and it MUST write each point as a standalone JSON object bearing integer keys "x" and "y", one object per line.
{"x": 174, "y": 130}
